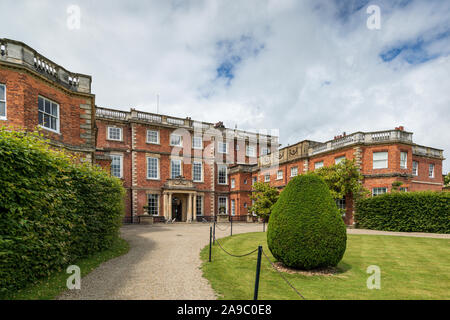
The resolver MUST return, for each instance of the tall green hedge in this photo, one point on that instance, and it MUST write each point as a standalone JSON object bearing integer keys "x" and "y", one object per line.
{"x": 424, "y": 211}
{"x": 53, "y": 211}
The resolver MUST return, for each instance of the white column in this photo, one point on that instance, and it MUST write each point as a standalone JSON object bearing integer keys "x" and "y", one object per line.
{"x": 189, "y": 210}
{"x": 195, "y": 208}
{"x": 170, "y": 206}
{"x": 166, "y": 205}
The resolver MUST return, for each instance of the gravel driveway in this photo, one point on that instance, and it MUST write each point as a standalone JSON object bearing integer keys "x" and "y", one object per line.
{"x": 163, "y": 263}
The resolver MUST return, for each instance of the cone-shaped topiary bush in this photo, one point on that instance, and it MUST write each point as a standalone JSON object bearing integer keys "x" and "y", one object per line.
{"x": 305, "y": 228}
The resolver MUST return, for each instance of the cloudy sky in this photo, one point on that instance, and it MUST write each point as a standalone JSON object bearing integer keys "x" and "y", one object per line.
{"x": 312, "y": 69}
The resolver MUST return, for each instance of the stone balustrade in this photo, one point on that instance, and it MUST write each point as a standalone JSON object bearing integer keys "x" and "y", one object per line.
{"x": 389, "y": 136}
{"x": 114, "y": 114}
{"x": 363, "y": 137}
{"x": 18, "y": 53}
{"x": 427, "y": 151}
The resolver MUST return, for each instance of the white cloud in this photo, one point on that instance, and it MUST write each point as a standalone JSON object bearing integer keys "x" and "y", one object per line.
{"x": 319, "y": 73}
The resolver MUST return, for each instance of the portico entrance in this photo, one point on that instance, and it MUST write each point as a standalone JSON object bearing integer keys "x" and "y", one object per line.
{"x": 179, "y": 201}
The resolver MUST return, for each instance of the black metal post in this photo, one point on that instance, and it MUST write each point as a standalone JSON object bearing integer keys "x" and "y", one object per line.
{"x": 231, "y": 221}
{"x": 258, "y": 270}
{"x": 210, "y": 244}
{"x": 214, "y": 233}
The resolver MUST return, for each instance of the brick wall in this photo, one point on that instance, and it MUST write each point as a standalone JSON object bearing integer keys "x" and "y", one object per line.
{"x": 75, "y": 109}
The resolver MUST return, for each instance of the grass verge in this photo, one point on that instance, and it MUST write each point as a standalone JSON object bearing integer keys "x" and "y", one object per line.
{"x": 52, "y": 286}
{"x": 411, "y": 268}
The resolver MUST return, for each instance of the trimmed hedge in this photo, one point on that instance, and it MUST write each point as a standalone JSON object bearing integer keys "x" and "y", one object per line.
{"x": 424, "y": 211}
{"x": 53, "y": 211}
{"x": 305, "y": 229}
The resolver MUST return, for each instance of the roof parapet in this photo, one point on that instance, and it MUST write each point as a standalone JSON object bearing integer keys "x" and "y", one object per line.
{"x": 18, "y": 53}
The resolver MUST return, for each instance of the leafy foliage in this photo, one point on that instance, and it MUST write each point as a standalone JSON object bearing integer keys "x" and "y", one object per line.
{"x": 424, "y": 211}
{"x": 305, "y": 228}
{"x": 53, "y": 211}
{"x": 343, "y": 178}
{"x": 447, "y": 179}
{"x": 264, "y": 197}
{"x": 396, "y": 185}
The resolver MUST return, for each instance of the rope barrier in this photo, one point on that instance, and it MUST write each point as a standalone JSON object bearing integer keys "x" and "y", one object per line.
{"x": 259, "y": 263}
{"x": 282, "y": 276}
{"x": 234, "y": 255}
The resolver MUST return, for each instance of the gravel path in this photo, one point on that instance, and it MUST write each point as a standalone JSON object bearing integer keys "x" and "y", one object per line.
{"x": 163, "y": 263}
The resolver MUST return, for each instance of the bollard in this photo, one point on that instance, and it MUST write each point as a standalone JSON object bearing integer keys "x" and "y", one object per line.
{"x": 214, "y": 233}
{"x": 210, "y": 240}
{"x": 231, "y": 221}
{"x": 258, "y": 270}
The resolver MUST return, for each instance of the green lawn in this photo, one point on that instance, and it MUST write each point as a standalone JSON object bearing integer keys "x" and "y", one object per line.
{"x": 55, "y": 284}
{"x": 411, "y": 268}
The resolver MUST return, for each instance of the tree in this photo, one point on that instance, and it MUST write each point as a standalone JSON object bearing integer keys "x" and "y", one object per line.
{"x": 264, "y": 197}
{"x": 305, "y": 228}
{"x": 447, "y": 179}
{"x": 343, "y": 179}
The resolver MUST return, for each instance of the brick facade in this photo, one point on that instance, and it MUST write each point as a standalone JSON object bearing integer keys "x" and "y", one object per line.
{"x": 25, "y": 76}
{"x": 83, "y": 130}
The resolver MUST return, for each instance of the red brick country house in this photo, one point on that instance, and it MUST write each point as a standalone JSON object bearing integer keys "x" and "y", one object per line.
{"x": 174, "y": 168}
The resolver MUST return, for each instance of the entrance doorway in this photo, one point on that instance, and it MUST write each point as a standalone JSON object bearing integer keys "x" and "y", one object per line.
{"x": 177, "y": 209}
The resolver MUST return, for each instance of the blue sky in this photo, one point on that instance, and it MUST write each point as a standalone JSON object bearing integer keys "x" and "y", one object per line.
{"x": 311, "y": 69}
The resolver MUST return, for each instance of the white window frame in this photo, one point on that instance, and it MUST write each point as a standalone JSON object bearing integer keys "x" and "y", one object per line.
{"x": 157, "y": 168}
{"x": 403, "y": 162}
{"x": 384, "y": 161}
{"x": 251, "y": 154}
{"x": 376, "y": 191}
{"x": 233, "y": 207}
{"x": 296, "y": 171}
{"x": 431, "y": 168}
{"x": 157, "y": 203}
{"x": 193, "y": 142}
{"x": 318, "y": 165}
{"x": 233, "y": 183}
{"x": 201, "y": 171}
{"x": 219, "y": 167}
{"x": 157, "y": 136}
{"x": 121, "y": 164}
{"x": 415, "y": 168}
{"x": 226, "y": 203}
{"x": 57, "y": 117}
{"x": 339, "y": 159}
{"x": 220, "y": 145}
{"x": 254, "y": 180}
{"x": 3, "y": 99}
{"x": 171, "y": 167}
{"x": 267, "y": 177}
{"x": 264, "y": 151}
{"x": 109, "y": 133}
{"x": 176, "y": 135}
{"x": 279, "y": 174}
